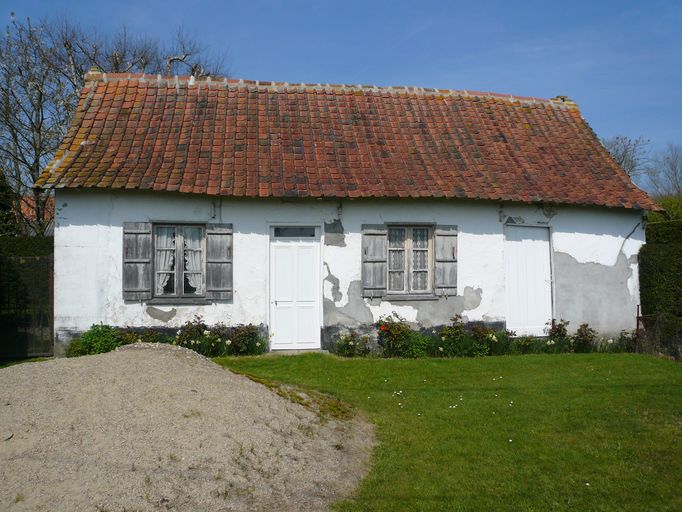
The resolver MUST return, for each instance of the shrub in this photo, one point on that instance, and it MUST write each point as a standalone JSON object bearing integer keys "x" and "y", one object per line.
{"x": 220, "y": 340}
{"x": 397, "y": 339}
{"x": 501, "y": 343}
{"x": 529, "y": 345}
{"x": 484, "y": 337}
{"x": 584, "y": 339}
{"x": 625, "y": 342}
{"x": 660, "y": 269}
{"x": 96, "y": 340}
{"x": 75, "y": 348}
{"x": 453, "y": 340}
{"x": 352, "y": 345}
{"x": 558, "y": 340}
{"x": 128, "y": 336}
{"x": 246, "y": 340}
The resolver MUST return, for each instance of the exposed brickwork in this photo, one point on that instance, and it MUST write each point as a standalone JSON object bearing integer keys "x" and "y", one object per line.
{"x": 272, "y": 139}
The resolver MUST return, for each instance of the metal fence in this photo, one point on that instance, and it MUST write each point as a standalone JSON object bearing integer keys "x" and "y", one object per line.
{"x": 26, "y": 284}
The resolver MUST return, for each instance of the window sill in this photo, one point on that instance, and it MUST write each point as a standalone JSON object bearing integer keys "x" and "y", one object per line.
{"x": 188, "y": 301}
{"x": 404, "y": 297}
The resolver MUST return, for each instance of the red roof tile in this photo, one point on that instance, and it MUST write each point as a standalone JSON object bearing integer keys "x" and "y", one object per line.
{"x": 272, "y": 139}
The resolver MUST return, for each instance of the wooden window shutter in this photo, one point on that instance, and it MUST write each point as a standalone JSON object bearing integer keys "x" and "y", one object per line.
{"x": 137, "y": 261}
{"x": 219, "y": 262}
{"x": 445, "y": 268}
{"x": 374, "y": 254}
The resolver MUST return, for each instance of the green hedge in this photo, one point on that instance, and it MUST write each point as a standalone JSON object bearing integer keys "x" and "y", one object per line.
{"x": 26, "y": 245}
{"x": 668, "y": 232}
{"x": 660, "y": 269}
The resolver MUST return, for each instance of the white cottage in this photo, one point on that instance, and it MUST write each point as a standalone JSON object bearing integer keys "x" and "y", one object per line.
{"x": 310, "y": 209}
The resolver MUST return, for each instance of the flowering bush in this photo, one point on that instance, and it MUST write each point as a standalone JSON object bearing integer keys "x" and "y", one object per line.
{"x": 352, "y": 345}
{"x": 397, "y": 339}
{"x": 217, "y": 340}
{"x": 558, "y": 340}
{"x": 246, "y": 340}
{"x": 483, "y": 338}
{"x": 501, "y": 343}
{"x": 453, "y": 340}
{"x": 626, "y": 342}
{"x": 220, "y": 340}
{"x": 584, "y": 339}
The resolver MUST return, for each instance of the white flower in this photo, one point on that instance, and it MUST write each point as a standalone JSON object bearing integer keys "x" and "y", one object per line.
{"x": 207, "y": 333}
{"x": 609, "y": 341}
{"x": 550, "y": 342}
{"x": 228, "y": 342}
{"x": 440, "y": 348}
{"x": 258, "y": 343}
{"x": 178, "y": 333}
{"x": 139, "y": 340}
{"x": 350, "y": 343}
{"x": 442, "y": 338}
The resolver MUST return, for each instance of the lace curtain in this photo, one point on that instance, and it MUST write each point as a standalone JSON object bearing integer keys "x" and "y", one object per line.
{"x": 193, "y": 257}
{"x": 165, "y": 256}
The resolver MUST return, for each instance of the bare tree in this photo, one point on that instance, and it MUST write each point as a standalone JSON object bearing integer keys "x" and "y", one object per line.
{"x": 42, "y": 69}
{"x": 665, "y": 174}
{"x": 631, "y": 154}
{"x": 35, "y": 107}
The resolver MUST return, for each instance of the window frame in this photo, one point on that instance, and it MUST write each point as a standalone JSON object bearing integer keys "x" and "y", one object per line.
{"x": 408, "y": 290}
{"x": 178, "y": 276}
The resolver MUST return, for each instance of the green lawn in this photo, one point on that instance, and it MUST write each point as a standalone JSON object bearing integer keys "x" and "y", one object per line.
{"x": 555, "y": 432}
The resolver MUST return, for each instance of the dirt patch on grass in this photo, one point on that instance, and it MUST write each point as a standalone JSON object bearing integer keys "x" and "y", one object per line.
{"x": 157, "y": 427}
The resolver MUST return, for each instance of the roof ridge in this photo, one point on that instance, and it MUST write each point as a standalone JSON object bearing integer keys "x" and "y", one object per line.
{"x": 96, "y": 75}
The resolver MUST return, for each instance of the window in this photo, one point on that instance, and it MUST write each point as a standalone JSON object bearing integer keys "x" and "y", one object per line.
{"x": 409, "y": 259}
{"x": 295, "y": 232}
{"x": 168, "y": 263}
{"x": 404, "y": 261}
{"x": 179, "y": 261}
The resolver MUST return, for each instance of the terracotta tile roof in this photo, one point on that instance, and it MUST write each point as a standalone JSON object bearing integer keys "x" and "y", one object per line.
{"x": 28, "y": 208}
{"x": 272, "y": 139}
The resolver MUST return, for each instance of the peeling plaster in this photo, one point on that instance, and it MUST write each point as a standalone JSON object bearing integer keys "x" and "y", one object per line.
{"x": 159, "y": 314}
{"x": 334, "y": 233}
{"x": 354, "y": 313}
{"x": 600, "y": 295}
{"x": 427, "y": 313}
{"x": 331, "y": 278}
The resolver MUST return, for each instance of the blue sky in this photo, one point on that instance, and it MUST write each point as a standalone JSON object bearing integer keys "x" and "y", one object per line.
{"x": 620, "y": 60}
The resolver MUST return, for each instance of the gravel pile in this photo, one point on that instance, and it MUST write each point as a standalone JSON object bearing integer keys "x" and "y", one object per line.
{"x": 157, "y": 427}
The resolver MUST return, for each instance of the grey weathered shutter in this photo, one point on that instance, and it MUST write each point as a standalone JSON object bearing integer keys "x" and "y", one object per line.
{"x": 374, "y": 254}
{"x": 445, "y": 270}
{"x": 137, "y": 261}
{"x": 219, "y": 262}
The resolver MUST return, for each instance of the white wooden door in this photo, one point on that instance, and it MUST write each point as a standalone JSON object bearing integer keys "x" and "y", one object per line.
{"x": 529, "y": 279}
{"x": 295, "y": 288}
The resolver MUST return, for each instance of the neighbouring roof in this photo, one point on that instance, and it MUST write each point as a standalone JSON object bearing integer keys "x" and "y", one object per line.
{"x": 271, "y": 139}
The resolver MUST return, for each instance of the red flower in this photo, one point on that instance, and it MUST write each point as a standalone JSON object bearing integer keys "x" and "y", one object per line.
{"x": 383, "y": 328}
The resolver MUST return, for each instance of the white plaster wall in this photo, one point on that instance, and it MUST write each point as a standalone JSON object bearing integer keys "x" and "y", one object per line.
{"x": 88, "y": 247}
